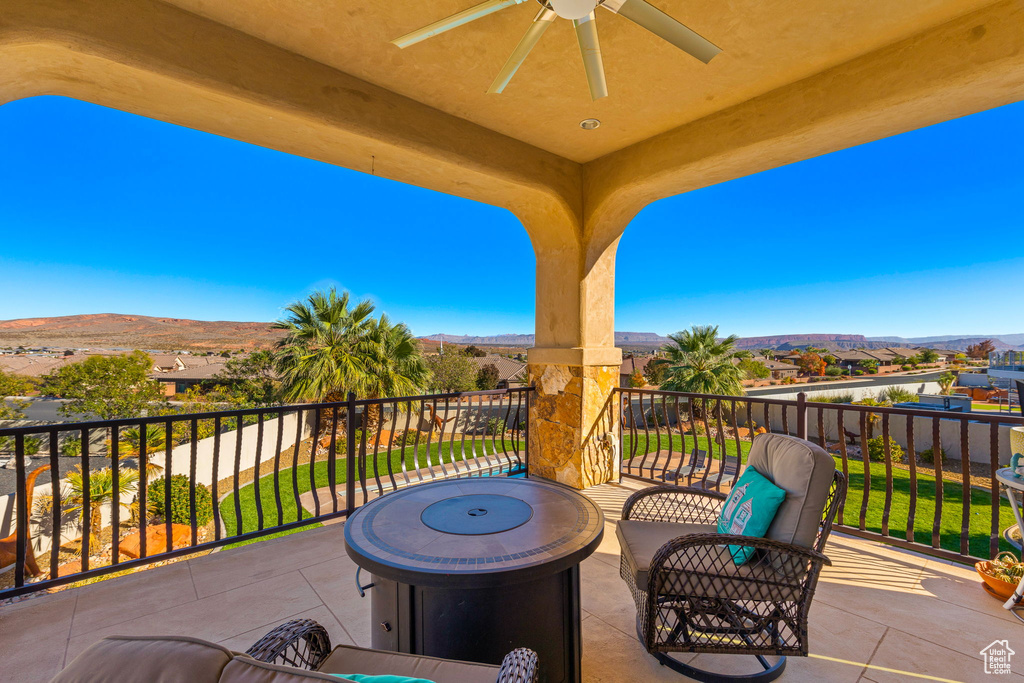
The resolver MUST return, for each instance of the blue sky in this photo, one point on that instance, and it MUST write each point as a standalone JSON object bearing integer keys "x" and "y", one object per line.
{"x": 103, "y": 211}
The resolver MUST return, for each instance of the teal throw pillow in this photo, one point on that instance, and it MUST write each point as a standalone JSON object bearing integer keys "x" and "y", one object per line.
{"x": 749, "y": 510}
{"x": 368, "y": 678}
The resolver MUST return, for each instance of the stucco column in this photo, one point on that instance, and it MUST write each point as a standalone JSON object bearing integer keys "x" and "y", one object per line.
{"x": 574, "y": 366}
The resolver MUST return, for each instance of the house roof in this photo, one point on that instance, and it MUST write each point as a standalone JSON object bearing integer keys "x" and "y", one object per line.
{"x": 508, "y": 369}
{"x": 35, "y": 366}
{"x": 202, "y": 372}
{"x": 778, "y": 365}
{"x": 164, "y": 360}
{"x": 632, "y": 364}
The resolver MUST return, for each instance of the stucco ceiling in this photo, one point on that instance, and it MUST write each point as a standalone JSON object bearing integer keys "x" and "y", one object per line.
{"x": 654, "y": 86}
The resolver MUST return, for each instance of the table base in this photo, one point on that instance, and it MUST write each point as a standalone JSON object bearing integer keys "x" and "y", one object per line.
{"x": 484, "y": 624}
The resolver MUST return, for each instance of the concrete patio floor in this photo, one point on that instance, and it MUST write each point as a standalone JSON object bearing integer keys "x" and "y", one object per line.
{"x": 880, "y": 614}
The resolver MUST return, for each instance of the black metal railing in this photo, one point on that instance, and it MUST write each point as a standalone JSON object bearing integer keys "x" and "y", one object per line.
{"x": 901, "y": 493}
{"x": 92, "y": 498}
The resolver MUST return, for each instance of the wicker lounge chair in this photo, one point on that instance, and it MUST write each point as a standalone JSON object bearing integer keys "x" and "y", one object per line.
{"x": 689, "y": 594}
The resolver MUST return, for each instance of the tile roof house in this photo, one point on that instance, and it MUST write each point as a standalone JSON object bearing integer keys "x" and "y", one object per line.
{"x": 630, "y": 365}
{"x": 511, "y": 373}
{"x": 180, "y": 381}
{"x": 35, "y": 366}
{"x": 781, "y": 370}
{"x": 166, "y": 362}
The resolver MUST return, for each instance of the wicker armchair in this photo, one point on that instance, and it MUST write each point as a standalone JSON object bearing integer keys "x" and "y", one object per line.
{"x": 303, "y": 643}
{"x": 689, "y": 594}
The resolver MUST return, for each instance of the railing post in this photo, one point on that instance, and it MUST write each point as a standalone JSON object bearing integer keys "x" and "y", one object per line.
{"x": 619, "y": 414}
{"x": 526, "y": 430}
{"x": 22, "y": 512}
{"x": 801, "y": 415}
{"x": 350, "y": 454}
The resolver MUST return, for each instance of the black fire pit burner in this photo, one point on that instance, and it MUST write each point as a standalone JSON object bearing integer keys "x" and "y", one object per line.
{"x": 476, "y": 514}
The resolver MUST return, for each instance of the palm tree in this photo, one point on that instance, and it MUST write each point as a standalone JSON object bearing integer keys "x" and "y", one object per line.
{"x": 101, "y": 492}
{"x": 317, "y": 359}
{"x": 393, "y": 365}
{"x": 130, "y": 440}
{"x": 698, "y": 362}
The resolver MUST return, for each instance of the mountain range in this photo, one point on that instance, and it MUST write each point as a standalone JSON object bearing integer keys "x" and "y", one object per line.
{"x": 113, "y": 330}
{"x": 782, "y": 342}
{"x": 116, "y": 331}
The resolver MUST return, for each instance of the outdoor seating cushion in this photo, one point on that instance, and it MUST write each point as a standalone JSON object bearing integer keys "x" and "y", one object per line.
{"x": 245, "y": 669}
{"x": 805, "y": 472}
{"x": 148, "y": 659}
{"x": 709, "y": 572}
{"x": 386, "y": 678}
{"x": 345, "y": 659}
{"x": 749, "y": 510}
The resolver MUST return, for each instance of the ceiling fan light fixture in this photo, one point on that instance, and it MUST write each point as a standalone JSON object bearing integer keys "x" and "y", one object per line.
{"x": 589, "y": 124}
{"x": 573, "y": 9}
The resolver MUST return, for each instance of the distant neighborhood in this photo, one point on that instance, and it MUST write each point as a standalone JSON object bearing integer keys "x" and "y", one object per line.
{"x": 180, "y": 372}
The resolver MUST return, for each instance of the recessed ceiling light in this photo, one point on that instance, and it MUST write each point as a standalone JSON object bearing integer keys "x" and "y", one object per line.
{"x": 589, "y": 124}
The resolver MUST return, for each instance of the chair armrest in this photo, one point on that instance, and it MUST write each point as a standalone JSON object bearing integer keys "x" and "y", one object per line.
{"x": 775, "y": 565}
{"x": 519, "y": 666}
{"x": 670, "y": 503}
{"x": 302, "y": 643}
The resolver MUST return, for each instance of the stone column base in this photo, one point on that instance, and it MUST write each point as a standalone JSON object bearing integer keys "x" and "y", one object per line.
{"x": 574, "y": 431}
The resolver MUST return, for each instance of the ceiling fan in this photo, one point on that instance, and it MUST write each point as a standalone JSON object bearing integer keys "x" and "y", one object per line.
{"x": 581, "y": 13}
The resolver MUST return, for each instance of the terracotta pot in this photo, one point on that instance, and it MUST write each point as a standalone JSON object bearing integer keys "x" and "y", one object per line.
{"x": 1002, "y": 589}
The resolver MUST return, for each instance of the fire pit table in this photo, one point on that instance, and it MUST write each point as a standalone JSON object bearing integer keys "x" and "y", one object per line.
{"x": 472, "y": 568}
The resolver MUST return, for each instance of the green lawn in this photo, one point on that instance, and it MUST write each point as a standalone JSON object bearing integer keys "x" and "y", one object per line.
{"x": 952, "y": 509}
{"x": 652, "y": 443}
{"x": 952, "y": 504}
{"x": 289, "y": 507}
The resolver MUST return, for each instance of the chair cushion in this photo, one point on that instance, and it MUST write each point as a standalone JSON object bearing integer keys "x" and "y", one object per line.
{"x": 749, "y": 510}
{"x": 376, "y": 678}
{"x": 640, "y": 541}
{"x": 245, "y": 669}
{"x": 709, "y": 572}
{"x": 348, "y": 659}
{"x": 805, "y": 471}
{"x": 148, "y": 659}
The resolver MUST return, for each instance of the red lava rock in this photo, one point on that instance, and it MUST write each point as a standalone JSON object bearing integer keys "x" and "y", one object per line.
{"x": 156, "y": 540}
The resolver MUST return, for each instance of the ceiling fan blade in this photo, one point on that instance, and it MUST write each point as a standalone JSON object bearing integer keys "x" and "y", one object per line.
{"x": 541, "y": 23}
{"x": 454, "y": 21}
{"x": 657, "y": 22}
{"x": 590, "y": 48}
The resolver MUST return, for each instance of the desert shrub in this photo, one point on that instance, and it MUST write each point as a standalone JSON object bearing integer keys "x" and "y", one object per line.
{"x": 833, "y": 371}
{"x": 789, "y": 380}
{"x": 904, "y": 368}
{"x": 876, "y": 450}
{"x": 928, "y": 455}
{"x": 495, "y": 426}
{"x": 180, "y": 485}
{"x": 71, "y": 448}
{"x": 858, "y": 373}
{"x": 832, "y": 398}
{"x": 654, "y": 418}
{"x": 697, "y": 428}
{"x": 896, "y": 394}
{"x": 398, "y": 439}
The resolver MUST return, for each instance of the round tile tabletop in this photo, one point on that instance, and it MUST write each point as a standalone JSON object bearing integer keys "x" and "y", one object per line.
{"x": 477, "y": 532}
